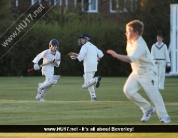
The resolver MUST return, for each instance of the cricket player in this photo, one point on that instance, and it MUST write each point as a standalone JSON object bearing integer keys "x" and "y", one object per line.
{"x": 90, "y": 55}
{"x": 49, "y": 55}
{"x": 143, "y": 73}
{"x": 161, "y": 59}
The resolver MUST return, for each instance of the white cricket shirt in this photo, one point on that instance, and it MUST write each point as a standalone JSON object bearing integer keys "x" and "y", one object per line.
{"x": 160, "y": 52}
{"x": 89, "y": 53}
{"x": 48, "y": 57}
{"x": 140, "y": 56}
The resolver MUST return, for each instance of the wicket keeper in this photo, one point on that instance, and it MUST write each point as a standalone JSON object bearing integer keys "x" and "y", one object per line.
{"x": 90, "y": 55}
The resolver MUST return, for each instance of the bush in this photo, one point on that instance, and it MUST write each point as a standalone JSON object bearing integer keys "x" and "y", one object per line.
{"x": 66, "y": 29}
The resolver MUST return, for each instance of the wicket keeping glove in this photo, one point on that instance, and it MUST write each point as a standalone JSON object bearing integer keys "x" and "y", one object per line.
{"x": 36, "y": 67}
{"x": 73, "y": 57}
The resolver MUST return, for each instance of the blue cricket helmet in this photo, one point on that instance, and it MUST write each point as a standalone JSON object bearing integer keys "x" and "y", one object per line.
{"x": 54, "y": 42}
{"x": 86, "y": 36}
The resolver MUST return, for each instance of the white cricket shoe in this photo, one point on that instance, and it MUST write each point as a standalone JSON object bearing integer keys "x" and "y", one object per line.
{"x": 38, "y": 96}
{"x": 84, "y": 86}
{"x": 147, "y": 114}
{"x": 165, "y": 120}
{"x": 42, "y": 100}
{"x": 161, "y": 87}
{"x": 94, "y": 99}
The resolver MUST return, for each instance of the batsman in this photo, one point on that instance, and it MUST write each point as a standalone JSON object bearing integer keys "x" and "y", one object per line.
{"x": 51, "y": 57}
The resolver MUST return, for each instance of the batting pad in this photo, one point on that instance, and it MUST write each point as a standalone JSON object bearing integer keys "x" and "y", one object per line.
{"x": 56, "y": 77}
{"x": 38, "y": 96}
{"x": 43, "y": 94}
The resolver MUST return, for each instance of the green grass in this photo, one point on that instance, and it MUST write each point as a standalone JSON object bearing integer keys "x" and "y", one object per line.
{"x": 68, "y": 104}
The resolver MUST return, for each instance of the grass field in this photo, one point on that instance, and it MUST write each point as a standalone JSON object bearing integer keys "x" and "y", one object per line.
{"x": 68, "y": 104}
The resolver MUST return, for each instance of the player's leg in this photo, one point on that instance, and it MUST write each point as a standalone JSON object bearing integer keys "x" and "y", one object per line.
{"x": 47, "y": 82}
{"x": 91, "y": 90}
{"x": 148, "y": 83}
{"x": 162, "y": 74}
{"x": 41, "y": 90}
{"x": 43, "y": 94}
{"x": 131, "y": 88}
{"x": 157, "y": 76}
{"x": 50, "y": 80}
{"x": 98, "y": 79}
{"x": 90, "y": 82}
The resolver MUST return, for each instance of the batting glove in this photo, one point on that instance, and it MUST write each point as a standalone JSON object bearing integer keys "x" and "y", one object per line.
{"x": 52, "y": 59}
{"x": 36, "y": 67}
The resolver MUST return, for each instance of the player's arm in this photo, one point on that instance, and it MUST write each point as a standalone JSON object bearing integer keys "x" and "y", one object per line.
{"x": 57, "y": 61}
{"x": 120, "y": 57}
{"x": 82, "y": 53}
{"x": 99, "y": 54}
{"x": 153, "y": 54}
{"x": 168, "y": 62}
{"x": 37, "y": 59}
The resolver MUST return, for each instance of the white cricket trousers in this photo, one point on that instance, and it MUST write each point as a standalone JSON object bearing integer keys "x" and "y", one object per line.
{"x": 49, "y": 75}
{"x": 147, "y": 81}
{"x": 161, "y": 66}
{"x": 88, "y": 76}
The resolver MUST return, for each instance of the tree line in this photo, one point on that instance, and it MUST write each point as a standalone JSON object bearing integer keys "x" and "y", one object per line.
{"x": 30, "y": 36}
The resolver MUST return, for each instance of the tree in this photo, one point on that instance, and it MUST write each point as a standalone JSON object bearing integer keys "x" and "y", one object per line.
{"x": 156, "y": 17}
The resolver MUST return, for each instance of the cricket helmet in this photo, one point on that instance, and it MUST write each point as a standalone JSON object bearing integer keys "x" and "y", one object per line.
{"x": 84, "y": 35}
{"x": 54, "y": 42}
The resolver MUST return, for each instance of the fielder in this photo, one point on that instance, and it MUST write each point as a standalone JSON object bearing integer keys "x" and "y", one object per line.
{"x": 49, "y": 55}
{"x": 143, "y": 73}
{"x": 90, "y": 55}
{"x": 161, "y": 59}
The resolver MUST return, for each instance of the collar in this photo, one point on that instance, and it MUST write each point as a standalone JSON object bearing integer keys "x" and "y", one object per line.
{"x": 140, "y": 37}
{"x": 159, "y": 46}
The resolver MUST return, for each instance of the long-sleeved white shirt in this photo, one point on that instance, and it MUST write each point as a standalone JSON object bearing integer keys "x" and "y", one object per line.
{"x": 89, "y": 53}
{"x": 48, "y": 57}
{"x": 160, "y": 52}
{"x": 140, "y": 56}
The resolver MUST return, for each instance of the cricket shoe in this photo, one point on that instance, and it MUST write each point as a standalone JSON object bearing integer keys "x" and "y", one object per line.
{"x": 42, "y": 100}
{"x": 38, "y": 96}
{"x": 89, "y": 83}
{"x": 94, "y": 99}
{"x": 98, "y": 81}
{"x": 84, "y": 86}
{"x": 161, "y": 87}
{"x": 165, "y": 120}
{"x": 147, "y": 114}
